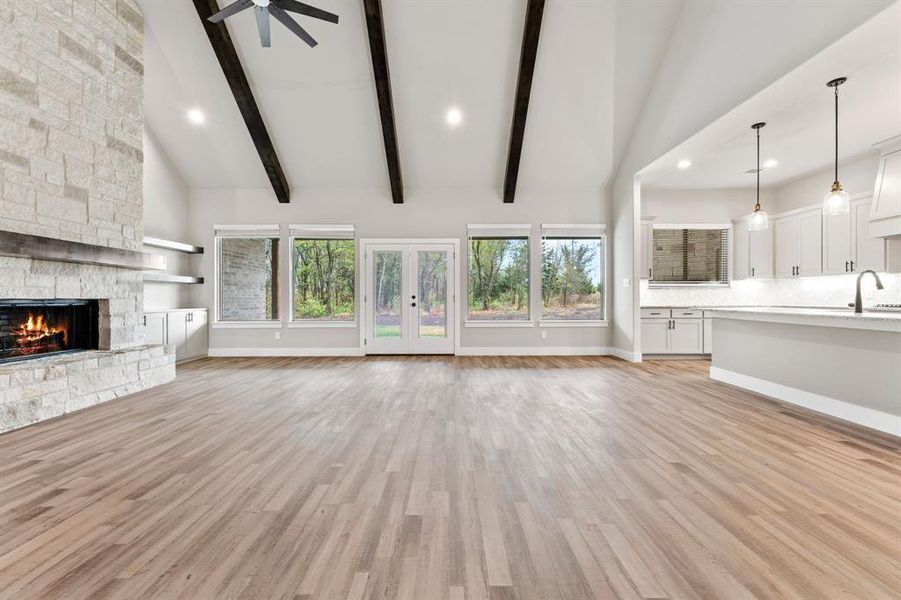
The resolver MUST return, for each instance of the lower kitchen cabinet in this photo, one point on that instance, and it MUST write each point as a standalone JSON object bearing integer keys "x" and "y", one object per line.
{"x": 675, "y": 335}
{"x": 186, "y": 329}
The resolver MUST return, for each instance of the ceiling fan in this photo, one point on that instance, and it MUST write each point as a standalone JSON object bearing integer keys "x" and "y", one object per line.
{"x": 277, "y": 8}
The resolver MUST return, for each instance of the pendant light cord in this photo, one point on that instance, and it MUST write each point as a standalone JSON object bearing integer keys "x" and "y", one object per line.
{"x": 757, "y": 206}
{"x": 836, "y": 134}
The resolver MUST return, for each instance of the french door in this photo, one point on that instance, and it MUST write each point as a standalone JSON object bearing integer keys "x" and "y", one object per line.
{"x": 409, "y": 299}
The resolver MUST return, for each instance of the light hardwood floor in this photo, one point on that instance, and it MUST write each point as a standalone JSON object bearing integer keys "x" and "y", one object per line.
{"x": 448, "y": 478}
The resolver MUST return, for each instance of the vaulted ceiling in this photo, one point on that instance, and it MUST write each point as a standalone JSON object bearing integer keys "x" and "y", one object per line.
{"x": 595, "y": 63}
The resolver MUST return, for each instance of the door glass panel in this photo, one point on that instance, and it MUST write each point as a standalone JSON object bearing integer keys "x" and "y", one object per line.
{"x": 388, "y": 269}
{"x": 432, "y": 302}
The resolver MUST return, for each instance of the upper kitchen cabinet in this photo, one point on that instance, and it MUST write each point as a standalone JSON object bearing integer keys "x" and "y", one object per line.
{"x": 741, "y": 244}
{"x": 848, "y": 243}
{"x": 885, "y": 212}
{"x": 645, "y": 250}
{"x": 798, "y": 244}
{"x": 760, "y": 251}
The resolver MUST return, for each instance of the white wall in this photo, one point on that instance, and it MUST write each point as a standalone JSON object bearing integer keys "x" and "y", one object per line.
{"x": 721, "y": 53}
{"x": 436, "y": 214}
{"x": 700, "y": 206}
{"x": 857, "y": 176}
{"x": 165, "y": 216}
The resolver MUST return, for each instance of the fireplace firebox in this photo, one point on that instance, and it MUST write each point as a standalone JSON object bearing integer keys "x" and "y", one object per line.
{"x": 35, "y": 328}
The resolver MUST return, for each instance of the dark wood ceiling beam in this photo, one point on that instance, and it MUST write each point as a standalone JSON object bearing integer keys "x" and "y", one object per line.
{"x": 376, "y": 28}
{"x": 527, "y": 56}
{"x": 222, "y": 45}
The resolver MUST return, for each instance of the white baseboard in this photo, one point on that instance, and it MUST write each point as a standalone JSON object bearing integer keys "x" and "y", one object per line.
{"x": 861, "y": 415}
{"x": 625, "y": 354}
{"x": 533, "y": 351}
{"x": 233, "y": 352}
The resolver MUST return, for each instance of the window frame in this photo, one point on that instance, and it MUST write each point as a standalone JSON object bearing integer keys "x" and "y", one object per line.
{"x": 566, "y": 232}
{"x": 257, "y": 232}
{"x": 499, "y": 232}
{"x": 729, "y": 266}
{"x": 295, "y": 323}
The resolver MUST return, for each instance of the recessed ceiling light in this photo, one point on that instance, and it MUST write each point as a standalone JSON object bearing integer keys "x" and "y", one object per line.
{"x": 196, "y": 116}
{"x": 770, "y": 163}
{"x": 684, "y": 163}
{"x": 453, "y": 117}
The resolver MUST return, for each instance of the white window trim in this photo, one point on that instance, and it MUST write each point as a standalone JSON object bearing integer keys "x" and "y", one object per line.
{"x": 591, "y": 231}
{"x": 323, "y": 324}
{"x": 217, "y": 322}
{"x": 497, "y": 322}
{"x": 499, "y": 231}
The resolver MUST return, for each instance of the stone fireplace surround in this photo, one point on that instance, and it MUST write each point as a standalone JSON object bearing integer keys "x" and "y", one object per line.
{"x": 41, "y": 388}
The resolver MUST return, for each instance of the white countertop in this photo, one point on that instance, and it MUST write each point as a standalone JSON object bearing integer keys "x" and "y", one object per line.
{"x": 823, "y": 317}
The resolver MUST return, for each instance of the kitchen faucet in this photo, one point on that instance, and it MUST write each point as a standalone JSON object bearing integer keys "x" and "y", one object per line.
{"x": 858, "y": 301}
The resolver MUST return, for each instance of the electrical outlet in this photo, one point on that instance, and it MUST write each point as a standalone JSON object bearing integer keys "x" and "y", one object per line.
{"x": 544, "y": 334}
{"x": 278, "y": 335}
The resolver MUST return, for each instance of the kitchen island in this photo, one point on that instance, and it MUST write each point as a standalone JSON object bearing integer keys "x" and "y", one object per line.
{"x": 832, "y": 361}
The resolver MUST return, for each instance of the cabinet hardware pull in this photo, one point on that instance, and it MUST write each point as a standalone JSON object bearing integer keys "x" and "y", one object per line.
{"x": 752, "y": 271}
{"x": 846, "y": 266}
{"x": 852, "y": 266}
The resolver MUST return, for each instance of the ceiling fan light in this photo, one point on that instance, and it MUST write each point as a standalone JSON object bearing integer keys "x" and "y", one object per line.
{"x": 836, "y": 201}
{"x": 758, "y": 221}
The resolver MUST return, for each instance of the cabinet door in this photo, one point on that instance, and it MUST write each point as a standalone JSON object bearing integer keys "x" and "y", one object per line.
{"x": 810, "y": 243}
{"x": 645, "y": 251}
{"x": 761, "y": 253}
{"x": 687, "y": 336}
{"x": 869, "y": 251}
{"x": 197, "y": 338}
{"x": 785, "y": 242}
{"x": 155, "y": 329}
{"x": 836, "y": 244}
{"x": 708, "y": 336}
{"x": 654, "y": 336}
{"x": 741, "y": 250}
{"x": 178, "y": 332}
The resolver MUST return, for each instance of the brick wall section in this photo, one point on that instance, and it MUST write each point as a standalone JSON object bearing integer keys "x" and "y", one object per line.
{"x": 244, "y": 280}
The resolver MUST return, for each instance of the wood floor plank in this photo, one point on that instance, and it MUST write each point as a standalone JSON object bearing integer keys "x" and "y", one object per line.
{"x": 443, "y": 478}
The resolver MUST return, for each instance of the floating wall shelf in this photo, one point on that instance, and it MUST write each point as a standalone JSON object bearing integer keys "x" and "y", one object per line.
{"x": 171, "y": 245}
{"x": 167, "y": 278}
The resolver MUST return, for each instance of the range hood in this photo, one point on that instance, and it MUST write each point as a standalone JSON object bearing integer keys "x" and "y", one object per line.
{"x": 885, "y": 211}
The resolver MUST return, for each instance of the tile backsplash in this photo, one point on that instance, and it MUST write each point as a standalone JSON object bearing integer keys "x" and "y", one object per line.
{"x": 836, "y": 290}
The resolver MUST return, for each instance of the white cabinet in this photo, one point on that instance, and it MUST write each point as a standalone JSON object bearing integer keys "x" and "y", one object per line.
{"x": 797, "y": 241}
{"x": 848, "y": 243}
{"x": 655, "y": 336}
{"x": 155, "y": 328}
{"x": 885, "y": 211}
{"x": 186, "y": 329}
{"x": 869, "y": 251}
{"x": 676, "y": 335}
{"x": 741, "y": 245}
{"x": 760, "y": 250}
{"x": 645, "y": 251}
{"x": 686, "y": 336}
{"x": 708, "y": 336}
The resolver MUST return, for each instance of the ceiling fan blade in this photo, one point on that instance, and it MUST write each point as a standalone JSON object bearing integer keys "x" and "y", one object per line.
{"x": 231, "y": 9}
{"x": 306, "y": 9}
{"x": 291, "y": 24}
{"x": 263, "y": 25}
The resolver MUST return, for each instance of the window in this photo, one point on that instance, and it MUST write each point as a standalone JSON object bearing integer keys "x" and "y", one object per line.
{"x": 690, "y": 254}
{"x": 498, "y": 273}
{"x": 247, "y": 274}
{"x": 573, "y": 273}
{"x": 323, "y": 273}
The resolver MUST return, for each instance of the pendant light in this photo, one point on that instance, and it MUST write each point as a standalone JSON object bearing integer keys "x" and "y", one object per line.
{"x": 836, "y": 201}
{"x": 759, "y": 220}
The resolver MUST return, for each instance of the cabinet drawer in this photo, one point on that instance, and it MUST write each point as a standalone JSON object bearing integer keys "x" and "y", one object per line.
{"x": 655, "y": 313}
{"x": 687, "y": 313}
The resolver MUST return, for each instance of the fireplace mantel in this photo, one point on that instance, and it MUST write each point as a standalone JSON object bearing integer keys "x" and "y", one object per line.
{"x": 23, "y": 245}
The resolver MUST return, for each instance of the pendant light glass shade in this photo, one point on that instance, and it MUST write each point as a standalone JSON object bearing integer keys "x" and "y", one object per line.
{"x": 836, "y": 201}
{"x": 759, "y": 219}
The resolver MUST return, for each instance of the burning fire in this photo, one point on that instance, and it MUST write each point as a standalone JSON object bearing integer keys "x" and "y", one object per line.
{"x": 36, "y": 329}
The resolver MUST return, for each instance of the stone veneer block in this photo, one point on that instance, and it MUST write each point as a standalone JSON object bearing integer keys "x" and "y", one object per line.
{"x": 43, "y": 388}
